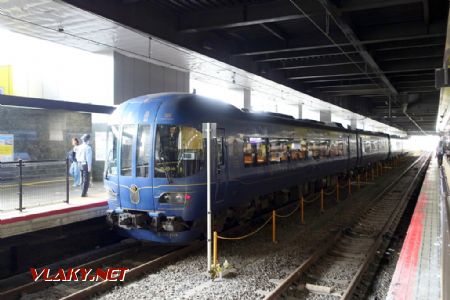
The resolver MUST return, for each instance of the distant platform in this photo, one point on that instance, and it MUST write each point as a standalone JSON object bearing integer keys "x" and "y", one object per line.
{"x": 419, "y": 269}
{"x": 34, "y": 218}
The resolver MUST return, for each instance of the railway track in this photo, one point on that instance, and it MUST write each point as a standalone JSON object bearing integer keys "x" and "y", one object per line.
{"x": 139, "y": 259}
{"x": 336, "y": 269}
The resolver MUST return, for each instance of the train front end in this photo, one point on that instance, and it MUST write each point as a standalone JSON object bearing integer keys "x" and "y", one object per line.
{"x": 154, "y": 173}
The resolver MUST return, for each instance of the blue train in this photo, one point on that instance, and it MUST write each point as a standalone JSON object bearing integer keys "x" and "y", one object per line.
{"x": 155, "y": 171}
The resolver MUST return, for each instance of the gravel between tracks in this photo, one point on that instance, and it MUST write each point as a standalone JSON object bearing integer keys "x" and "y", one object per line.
{"x": 260, "y": 264}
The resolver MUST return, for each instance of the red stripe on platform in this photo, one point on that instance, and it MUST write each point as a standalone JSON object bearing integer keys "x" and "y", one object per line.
{"x": 404, "y": 280}
{"x": 52, "y": 212}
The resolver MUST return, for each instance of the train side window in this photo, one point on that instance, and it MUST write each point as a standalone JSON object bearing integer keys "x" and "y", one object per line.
{"x": 325, "y": 148}
{"x": 220, "y": 151}
{"x": 126, "y": 153}
{"x": 374, "y": 147}
{"x": 295, "y": 151}
{"x": 143, "y": 151}
{"x": 255, "y": 151}
{"x": 304, "y": 149}
{"x": 314, "y": 149}
{"x": 278, "y": 150}
{"x": 341, "y": 147}
{"x": 334, "y": 148}
{"x": 249, "y": 155}
{"x": 111, "y": 161}
{"x": 367, "y": 147}
{"x": 261, "y": 151}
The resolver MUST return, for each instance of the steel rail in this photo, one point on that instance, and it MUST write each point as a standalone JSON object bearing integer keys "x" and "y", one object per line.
{"x": 35, "y": 286}
{"x": 375, "y": 246}
{"x": 333, "y": 239}
{"x": 135, "y": 272}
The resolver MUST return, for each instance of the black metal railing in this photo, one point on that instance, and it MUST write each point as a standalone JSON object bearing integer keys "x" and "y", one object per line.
{"x": 25, "y": 184}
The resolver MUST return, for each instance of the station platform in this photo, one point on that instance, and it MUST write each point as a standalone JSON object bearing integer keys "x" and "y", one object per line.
{"x": 420, "y": 268}
{"x": 15, "y": 222}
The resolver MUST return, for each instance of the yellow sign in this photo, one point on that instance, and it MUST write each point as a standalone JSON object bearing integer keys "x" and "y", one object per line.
{"x": 6, "y": 80}
{"x": 6, "y": 147}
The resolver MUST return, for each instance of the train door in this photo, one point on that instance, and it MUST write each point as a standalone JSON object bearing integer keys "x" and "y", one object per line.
{"x": 125, "y": 167}
{"x": 143, "y": 197}
{"x": 221, "y": 166}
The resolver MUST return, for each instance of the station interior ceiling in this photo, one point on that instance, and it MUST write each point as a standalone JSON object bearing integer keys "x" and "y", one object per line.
{"x": 373, "y": 57}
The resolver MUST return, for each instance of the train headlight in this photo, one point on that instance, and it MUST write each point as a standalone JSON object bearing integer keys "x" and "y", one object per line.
{"x": 175, "y": 198}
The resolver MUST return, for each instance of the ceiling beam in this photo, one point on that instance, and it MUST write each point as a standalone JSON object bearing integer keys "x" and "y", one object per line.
{"x": 260, "y": 13}
{"x": 348, "y": 71}
{"x": 348, "y": 86}
{"x": 317, "y": 62}
{"x": 413, "y": 80}
{"x": 419, "y": 63}
{"x": 403, "y": 47}
{"x": 274, "y": 30}
{"x": 411, "y": 53}
{"x": 356, "y": 5}
{"x": 311, "y": 43}
{"x": 358, "y": 78}
{"x": 417, "y": 53}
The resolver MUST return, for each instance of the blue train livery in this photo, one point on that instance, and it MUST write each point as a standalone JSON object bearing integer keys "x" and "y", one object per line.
{"x": 155, "y": 171}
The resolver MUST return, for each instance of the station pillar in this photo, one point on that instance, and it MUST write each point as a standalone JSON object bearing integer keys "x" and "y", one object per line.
{"x": 247, "y": 99}
{"x": 300, "y": 111}
{"x": 325, "y": 116}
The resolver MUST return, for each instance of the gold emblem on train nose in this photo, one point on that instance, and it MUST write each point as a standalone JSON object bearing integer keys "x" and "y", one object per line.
{"x": 134, "y": 194}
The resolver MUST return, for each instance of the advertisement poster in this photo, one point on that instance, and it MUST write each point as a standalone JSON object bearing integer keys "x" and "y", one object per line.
{"x": 6, "y": 147}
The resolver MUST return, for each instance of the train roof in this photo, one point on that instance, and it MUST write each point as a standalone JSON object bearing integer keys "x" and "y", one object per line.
{"x": 188, "y": 107}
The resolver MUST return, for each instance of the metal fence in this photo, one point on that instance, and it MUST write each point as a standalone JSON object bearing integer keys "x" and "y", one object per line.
{"x": 26, "y": 184}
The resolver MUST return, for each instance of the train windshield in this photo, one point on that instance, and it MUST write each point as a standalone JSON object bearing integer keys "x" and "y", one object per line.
{"x": 178, "y": 152}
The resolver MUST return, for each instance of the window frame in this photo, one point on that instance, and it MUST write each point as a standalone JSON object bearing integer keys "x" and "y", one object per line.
{"x": 114, "y": 150}
{"x": 137, "y": 151}
{"x": 132, "y": 153}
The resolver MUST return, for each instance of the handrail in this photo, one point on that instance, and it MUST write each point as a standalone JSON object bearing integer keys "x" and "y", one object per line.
{"x": 31, "y": 161}
{"x": 21, "y": 179}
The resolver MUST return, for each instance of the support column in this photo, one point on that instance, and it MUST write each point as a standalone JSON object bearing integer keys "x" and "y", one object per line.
{"x": 300, "y": 110}
{"x": 247, "y": 99}
{"x": 353, "y": 123}
{"x": 325, "y": 116}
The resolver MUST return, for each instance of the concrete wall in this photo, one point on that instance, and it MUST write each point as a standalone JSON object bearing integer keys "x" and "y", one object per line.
{"x": 134, "y": 77}
{"x": 43, "y": 134}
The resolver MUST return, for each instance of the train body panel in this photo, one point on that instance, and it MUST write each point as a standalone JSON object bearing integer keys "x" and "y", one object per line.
{"x": 156, "y": 166}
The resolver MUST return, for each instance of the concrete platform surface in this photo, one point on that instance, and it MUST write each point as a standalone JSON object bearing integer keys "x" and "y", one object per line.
{"x": 419, "y": 268}
{"x": 53, "y": 215}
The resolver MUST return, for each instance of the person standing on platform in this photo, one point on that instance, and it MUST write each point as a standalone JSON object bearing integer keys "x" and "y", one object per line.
{"x": 440, "y": 152}
{"x": 74, "y": 169}
{"x": 84, "y": 157}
